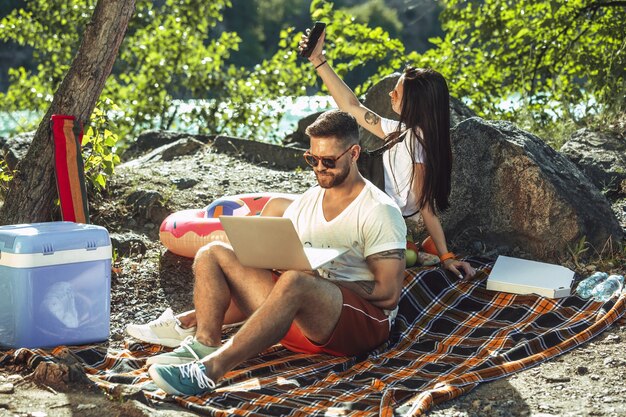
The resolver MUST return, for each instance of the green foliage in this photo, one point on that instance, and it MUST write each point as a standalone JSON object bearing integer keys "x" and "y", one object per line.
{"x": 375, "y": 13}
{"x": 52, "y": 33}
{"x": 351, "y": 45}
{"x": 562, "y": 59}
{"x": 578, "y": 250}
{"x": 6, "y": 175}
{"x": 170, "y": 52}
{"x": 174, "y": 49}
{"x": 99, "y": 145}
{"x": 259, "y": 23}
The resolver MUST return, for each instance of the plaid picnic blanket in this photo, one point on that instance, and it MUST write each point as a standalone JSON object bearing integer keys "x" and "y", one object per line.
{"x": 449, "y": 336}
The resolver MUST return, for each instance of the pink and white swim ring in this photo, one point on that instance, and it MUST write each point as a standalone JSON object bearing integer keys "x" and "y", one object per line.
{"x": 186, "y": 231}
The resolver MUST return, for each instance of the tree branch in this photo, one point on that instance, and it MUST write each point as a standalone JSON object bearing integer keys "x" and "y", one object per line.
{"x": 596, "y": 6}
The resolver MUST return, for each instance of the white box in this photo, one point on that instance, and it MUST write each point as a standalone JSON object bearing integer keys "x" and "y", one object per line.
{"x": 521, "y": 276}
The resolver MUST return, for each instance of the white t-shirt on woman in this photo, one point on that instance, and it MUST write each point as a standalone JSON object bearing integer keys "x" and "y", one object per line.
{"x": 398, "y": 179}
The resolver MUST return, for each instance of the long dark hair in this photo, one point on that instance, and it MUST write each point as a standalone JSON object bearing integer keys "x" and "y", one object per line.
{"x": 425, "y": 107}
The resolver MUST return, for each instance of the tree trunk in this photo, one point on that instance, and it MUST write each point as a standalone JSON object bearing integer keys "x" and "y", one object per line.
{"x": 33, "y": 189}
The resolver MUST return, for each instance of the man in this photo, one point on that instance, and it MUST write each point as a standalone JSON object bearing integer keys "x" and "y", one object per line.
{"x": 343, "y": 309}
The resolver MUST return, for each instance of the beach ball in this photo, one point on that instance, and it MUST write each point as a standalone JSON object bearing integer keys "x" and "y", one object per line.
{"x": 226, "y": 206}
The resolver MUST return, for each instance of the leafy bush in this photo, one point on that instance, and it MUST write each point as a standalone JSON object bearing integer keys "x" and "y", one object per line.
{"x": 559, "y": 60}
{"x": 99, "y": 146}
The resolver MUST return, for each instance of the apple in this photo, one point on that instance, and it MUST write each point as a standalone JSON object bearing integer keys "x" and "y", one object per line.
{"x": 410, "y": 257}
{"x": 412, "y": 245}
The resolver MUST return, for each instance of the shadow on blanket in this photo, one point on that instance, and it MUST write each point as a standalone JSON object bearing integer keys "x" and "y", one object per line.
{"x": 449, "y": 336}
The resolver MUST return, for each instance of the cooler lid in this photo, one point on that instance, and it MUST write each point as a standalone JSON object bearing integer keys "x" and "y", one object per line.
{"x": 51, "y": 237}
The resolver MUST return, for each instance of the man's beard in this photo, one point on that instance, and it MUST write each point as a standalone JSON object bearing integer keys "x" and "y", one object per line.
{"x": 328, "y": 180}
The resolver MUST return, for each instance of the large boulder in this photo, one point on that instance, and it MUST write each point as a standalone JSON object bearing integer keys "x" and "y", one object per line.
{"x": 281, "y": 157}
{"x": 181, "y": 147}
{"x": 150, "y": 140}
{"x": 601, "y": 156}
{"x": 511, "y": 191}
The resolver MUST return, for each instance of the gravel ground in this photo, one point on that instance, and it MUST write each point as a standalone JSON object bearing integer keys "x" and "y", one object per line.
{"x": 584, "y": 382}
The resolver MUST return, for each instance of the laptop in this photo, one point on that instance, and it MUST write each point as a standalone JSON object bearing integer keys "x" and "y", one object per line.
{"x": 521, "y": 276}
{"x": 273, "y": 243}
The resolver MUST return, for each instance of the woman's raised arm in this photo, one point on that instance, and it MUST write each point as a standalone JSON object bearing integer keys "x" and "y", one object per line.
{"x": 342, "y": 94}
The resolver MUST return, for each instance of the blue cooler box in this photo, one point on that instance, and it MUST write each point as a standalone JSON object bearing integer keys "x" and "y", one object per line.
{"x": 55, "y": 284}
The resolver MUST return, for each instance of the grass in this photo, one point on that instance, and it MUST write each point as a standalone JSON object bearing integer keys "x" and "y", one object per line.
{"x": 585, "y": 258}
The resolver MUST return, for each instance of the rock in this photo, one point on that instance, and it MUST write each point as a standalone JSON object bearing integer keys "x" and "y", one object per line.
{"x": 128, "y": 244}
{"x": 557, "y": 378}
{"x": 613, "y": 338}
{"x": 7, "y": 388}
{"x": 281, "y": 157}
{"x": 299, "y": 139}
{"x": 601, "y": 156}
{"x": 153, "y": 139}
{"x": 184, "y": 183}
{"x": 582, "y": 370}
{"x": 147, "y": 205}
{"x": 15, "y": 148}
{"x": 182, "y": 147}
{"x": 128, "y": 392}
{"x": 377, "y": 98}
{"x": 60, "y": 375}
{"x": 511, "y": 189}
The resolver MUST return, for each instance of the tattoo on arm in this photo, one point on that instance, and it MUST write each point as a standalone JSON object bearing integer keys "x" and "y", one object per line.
{"x": 367, "y": 286}
{"x": 371, "y": 118}
{"x": 388, "y": 254}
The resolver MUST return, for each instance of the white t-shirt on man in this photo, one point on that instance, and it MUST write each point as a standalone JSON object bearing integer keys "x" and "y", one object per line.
{"x": 398, "y": 167}
{"x": 371, "y": 224}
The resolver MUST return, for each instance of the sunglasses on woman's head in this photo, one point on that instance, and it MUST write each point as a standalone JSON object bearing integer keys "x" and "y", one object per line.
{"x": 327, "y": 162}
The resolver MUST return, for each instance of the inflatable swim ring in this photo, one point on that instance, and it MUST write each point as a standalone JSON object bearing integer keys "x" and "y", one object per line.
{"x": 186, "y": 231}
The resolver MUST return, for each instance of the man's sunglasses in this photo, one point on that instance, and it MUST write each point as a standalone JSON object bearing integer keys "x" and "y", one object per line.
{"x": 328, "y": 162}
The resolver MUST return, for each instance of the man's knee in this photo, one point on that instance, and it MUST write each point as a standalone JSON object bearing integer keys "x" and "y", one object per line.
{"x": 294, "y": 284}
{"x": 210, "y": 253}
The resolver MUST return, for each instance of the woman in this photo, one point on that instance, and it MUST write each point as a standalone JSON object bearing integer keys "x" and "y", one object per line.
{"x": 418, "y": 169}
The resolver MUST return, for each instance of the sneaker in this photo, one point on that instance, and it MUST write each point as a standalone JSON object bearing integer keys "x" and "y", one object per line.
{"x": 189, "y": 350}
{"x": 164, "y": 331}
{"x": 187, "y": 379}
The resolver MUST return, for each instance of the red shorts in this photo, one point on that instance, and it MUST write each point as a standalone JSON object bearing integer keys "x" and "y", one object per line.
{"x": 361, "y": 328}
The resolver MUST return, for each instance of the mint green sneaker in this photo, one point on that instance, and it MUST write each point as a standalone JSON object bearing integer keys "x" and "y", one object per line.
{"x": 189, "y": 350}
{"x": 187, "y": 379}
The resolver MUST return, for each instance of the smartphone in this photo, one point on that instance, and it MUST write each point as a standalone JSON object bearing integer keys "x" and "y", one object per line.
{"x": 314, "y": 35}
